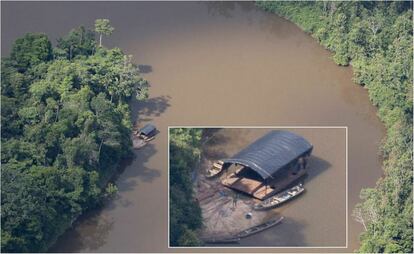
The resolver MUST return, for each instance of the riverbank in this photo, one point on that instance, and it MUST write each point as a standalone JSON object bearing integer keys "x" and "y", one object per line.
{"x": 377, "y": 39}
{"x": 65, "y": 129}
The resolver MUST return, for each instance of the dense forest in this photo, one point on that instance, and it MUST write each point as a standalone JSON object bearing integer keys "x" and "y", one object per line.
{"x": 185, "y": 213}
{"x": 65, "y": 127}
{"x": 376, "y": 39}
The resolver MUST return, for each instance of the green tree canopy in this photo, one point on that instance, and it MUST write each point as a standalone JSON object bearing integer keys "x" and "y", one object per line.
{"x": 103, "y": 27}
{"x": 376, "y": 37}
{"x": 65, "y": 127}
{"x": 79, "y": 41}
{"x": 185, "y": 213}
{"x": 30, "y": 50}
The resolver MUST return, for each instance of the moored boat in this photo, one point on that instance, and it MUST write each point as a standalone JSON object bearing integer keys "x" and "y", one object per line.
{"x": 280, "y": 198}
{"x": 216, "y": 169}
{"x": 221, "y": 240}
{"x": 259, "y": 228}
{"x": 144, "y": 135}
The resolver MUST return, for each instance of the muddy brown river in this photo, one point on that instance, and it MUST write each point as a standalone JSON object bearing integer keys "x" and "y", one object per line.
{"x": 218, "y": 64}
{"x": 320, "y": 211}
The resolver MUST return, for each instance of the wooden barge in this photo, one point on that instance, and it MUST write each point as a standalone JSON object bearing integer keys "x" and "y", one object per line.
{"x": 269, "y": 165}
{"x": 142, "y": 136}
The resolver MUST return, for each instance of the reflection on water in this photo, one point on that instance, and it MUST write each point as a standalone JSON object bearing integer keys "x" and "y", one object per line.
{"x": 281, "y": 233}
{"x": 226, "y": 8}
{"x": 95, "y": 225}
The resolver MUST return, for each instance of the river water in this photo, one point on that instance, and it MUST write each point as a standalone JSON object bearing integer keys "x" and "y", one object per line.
{"x": 208, "y": 63}
{"x": 316, "y": 218}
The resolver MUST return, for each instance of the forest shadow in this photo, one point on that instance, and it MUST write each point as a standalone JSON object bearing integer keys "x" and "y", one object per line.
{"x": 92, "y": 222}
{"x": 288, "y": 233}
{"x": 214, "y": 153}
{"x": 226, "y": 8}
{"x": 144, "y": 68}
{"x": 96, "y": 225}
{"x": 149, "y": 108}
{"x": 217, "y": 139}
{"x": 130, "y": 173}
{"x": 212, "y": 147}
{"x": 133, "y": 169}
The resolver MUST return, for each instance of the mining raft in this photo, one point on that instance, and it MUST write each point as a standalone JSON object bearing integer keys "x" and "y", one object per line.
{"x": 268, "y": 168}
{"x": 144, "y": 135}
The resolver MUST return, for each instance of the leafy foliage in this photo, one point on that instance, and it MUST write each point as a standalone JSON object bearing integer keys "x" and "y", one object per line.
{"x": 79, "y": 41}
{"x": 65, "y": 127}
{"x": 185, "y": 213}
{"x": 103, "y": 27}
{"x": 30, "y": 50}
{"x": 376, "y": 38}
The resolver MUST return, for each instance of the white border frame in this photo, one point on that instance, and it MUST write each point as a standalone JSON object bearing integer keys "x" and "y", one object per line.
{"x": 261, "y": 247}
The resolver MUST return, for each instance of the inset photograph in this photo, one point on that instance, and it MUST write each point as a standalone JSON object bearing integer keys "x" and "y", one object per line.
{"x": 258, "y": 187}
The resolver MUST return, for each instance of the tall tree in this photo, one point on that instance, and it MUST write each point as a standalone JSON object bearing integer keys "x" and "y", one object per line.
{"x": 103, "y": 27}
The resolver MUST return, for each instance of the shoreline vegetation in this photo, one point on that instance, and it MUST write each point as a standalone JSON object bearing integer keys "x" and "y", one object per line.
{"x": 376, "y": 39}
{"x": 185, "y": 213}
{"x": 65, "y": 128}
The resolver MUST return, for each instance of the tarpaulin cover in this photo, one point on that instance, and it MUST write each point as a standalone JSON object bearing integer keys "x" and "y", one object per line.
{"x": 147, "y": 129}
{"x": 272, "y": 152}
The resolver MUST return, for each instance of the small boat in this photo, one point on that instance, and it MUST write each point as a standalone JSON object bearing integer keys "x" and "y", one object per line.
{"x": 280, "y": 198}
{"x": 259, "y": 228}
{"x": 215, "y": 169}
{"x": 144, "y": 135}
{"x": 222, "y": 240}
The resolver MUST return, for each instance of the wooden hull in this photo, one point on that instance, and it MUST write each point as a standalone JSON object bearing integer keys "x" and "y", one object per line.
{"x": 211, "y": 174}
{"x": 259, "y": 228}
{"x": 222, "y": 241}
{"x": 139, "y": 142}
{"x": 280, "y": 198}
{"x": 216, "y": 170}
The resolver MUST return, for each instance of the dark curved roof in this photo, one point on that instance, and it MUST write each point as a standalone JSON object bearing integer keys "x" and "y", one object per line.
{"x": 147, "y": 129}
{"x": 272, "y": 152}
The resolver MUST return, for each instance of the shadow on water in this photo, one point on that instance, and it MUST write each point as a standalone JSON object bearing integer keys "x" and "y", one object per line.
{"x": 226, "y": 8}
{"x": 143, "y": 68}
{"x": 138, "y": 169}
{"x": 288, "y": 233}
{"x": 97, "y": 228}
{"x": 91, "y": 229}
{"x": 316, "y": 166}
{"x": 213, "y": 148}
{"x": 149, "y": 108}
{"x": 213, "y": 155}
